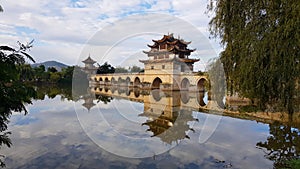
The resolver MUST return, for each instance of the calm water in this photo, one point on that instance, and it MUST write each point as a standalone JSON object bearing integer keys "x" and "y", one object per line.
{"x": 141, "y": 129}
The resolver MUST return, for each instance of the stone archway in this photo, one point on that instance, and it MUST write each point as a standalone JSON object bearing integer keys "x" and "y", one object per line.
{"x": 185, "y": 84}
{"x": 127, "y": 81}
{"x": 113, "y": 81}
{"x": 106, "y": 80}
{"x": 137, "y": 82}
{"x": 120, "y": 80}
{"x": 156, "y": 83}
{"x": 201, "y": 85}
{"x": 200, "y": 98}
{"x": 185, "y": 96}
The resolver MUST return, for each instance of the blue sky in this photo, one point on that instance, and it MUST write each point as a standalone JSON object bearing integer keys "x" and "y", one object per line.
{"x": 62, "y": 29}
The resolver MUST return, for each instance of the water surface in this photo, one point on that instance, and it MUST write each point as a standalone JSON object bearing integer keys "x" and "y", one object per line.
{"x": 148, "y": 130}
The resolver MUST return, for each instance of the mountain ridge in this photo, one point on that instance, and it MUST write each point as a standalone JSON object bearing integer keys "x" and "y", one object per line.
{"x": 52, "y": 63}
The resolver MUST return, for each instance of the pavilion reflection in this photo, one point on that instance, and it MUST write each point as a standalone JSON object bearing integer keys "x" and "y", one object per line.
{"x": 168, "y": 113}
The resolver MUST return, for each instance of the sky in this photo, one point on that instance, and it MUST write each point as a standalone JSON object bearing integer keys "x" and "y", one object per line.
{"x": 108, "y": 30}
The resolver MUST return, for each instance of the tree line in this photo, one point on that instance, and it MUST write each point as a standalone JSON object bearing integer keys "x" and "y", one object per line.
{"x": 40, "y": 74}
{"x": 108, "y": 68}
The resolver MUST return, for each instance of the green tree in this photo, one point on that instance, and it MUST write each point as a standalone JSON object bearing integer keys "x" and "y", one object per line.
{"x": 52, "y": 69}
{"x": 13, "y": 93}
{"x": 105, "y": 68}
{"x": 136, "y": 69}
{"x": 121, "y": 70}
{"x": 26, "y": 72}
{"x": 261, "y": 55}
{"x": 67, "y": 74}
{"x": 54, "y": 77}
{"x": 39, "y": 73}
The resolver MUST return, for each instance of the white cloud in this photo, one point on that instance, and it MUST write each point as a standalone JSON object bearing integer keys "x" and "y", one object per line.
{"x": 64, "y": 26}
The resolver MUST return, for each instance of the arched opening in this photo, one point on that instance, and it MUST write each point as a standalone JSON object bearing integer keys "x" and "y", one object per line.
{"x": 136, "y": 92}
{"x": 127, "y": 81}
{"x": 113, "y": 81}
{"x": 156, "y": 94}
{"x": 185, "y": 84}
{"x": 100, "y": 79}
{"x": 113, "y": 89}
{"x": 106, "y": 80}
{"x": 120, "y": 81}
{"x": 128, "y": 91}
{"x": 137, "y": 82}
{"x": 156, "y": 83}
{"x": 95, "y": 79}
{"x": 185, "y": 97}
{"x": 120, "y": 90}
{"x": 201, "y": 85}
{"x": 200, "y": 98}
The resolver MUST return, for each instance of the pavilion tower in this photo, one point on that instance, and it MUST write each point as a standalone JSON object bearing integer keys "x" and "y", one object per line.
{"x": 89, "y": 67}
{"x": 170, "y": 56}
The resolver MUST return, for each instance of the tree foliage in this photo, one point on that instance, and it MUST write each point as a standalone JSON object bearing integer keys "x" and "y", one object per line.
{"x": 13, "y": 93}
{"x": 261, "y": 55}
{"x": 136, "y": 69}
{"x": 105, "y": 68}
{"x": 121, "y": 70}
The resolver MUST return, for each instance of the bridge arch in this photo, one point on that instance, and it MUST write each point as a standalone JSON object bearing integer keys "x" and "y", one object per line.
{"x": 185, "y": 97}
{"x": 137, "y": 82}
{"x": 113, "y": 89}
{"x": 120, "y": 80}
{"x": 136, "y": 92}
{"x": 127, "y": 81}
{"x": 106, "y": 80}
{"x": 201, "y": 84}
{"x": 156, "y": 94}
{"x": 185, "y": 84}
{"x": 156, "y": 83}
{"x": 128, "y": 91}
{"x": 200, "y": 98}
{"x": 113, "y": 81}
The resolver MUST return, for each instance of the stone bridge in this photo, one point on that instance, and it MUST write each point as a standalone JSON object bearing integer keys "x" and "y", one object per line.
{"x": 163, "y": 81}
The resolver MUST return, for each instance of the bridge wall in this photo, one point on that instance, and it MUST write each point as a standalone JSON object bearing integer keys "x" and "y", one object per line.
{"x": 181, "y": 81}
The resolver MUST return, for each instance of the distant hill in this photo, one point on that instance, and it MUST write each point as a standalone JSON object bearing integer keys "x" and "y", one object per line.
{"x": 48, "y": 64}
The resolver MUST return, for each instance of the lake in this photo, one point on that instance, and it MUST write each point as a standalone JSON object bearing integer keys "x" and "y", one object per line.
{"x": 117, "y": 128}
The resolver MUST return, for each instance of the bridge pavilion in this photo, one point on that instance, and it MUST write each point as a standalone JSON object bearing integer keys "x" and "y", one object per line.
{"x": 168, "y": 67}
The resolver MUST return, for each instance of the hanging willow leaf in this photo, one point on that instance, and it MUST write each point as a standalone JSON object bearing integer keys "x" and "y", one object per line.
{"x": 261, "y": 48}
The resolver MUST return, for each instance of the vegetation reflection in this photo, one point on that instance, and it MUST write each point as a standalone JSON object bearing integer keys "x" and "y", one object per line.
{"x": 282, "y": 146}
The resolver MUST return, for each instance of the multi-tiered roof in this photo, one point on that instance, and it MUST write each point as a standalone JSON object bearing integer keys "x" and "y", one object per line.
{"x": 169, "y": 45}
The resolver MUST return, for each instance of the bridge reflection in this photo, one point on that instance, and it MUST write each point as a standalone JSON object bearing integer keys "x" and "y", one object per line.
{"x": 168, "y": 112}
